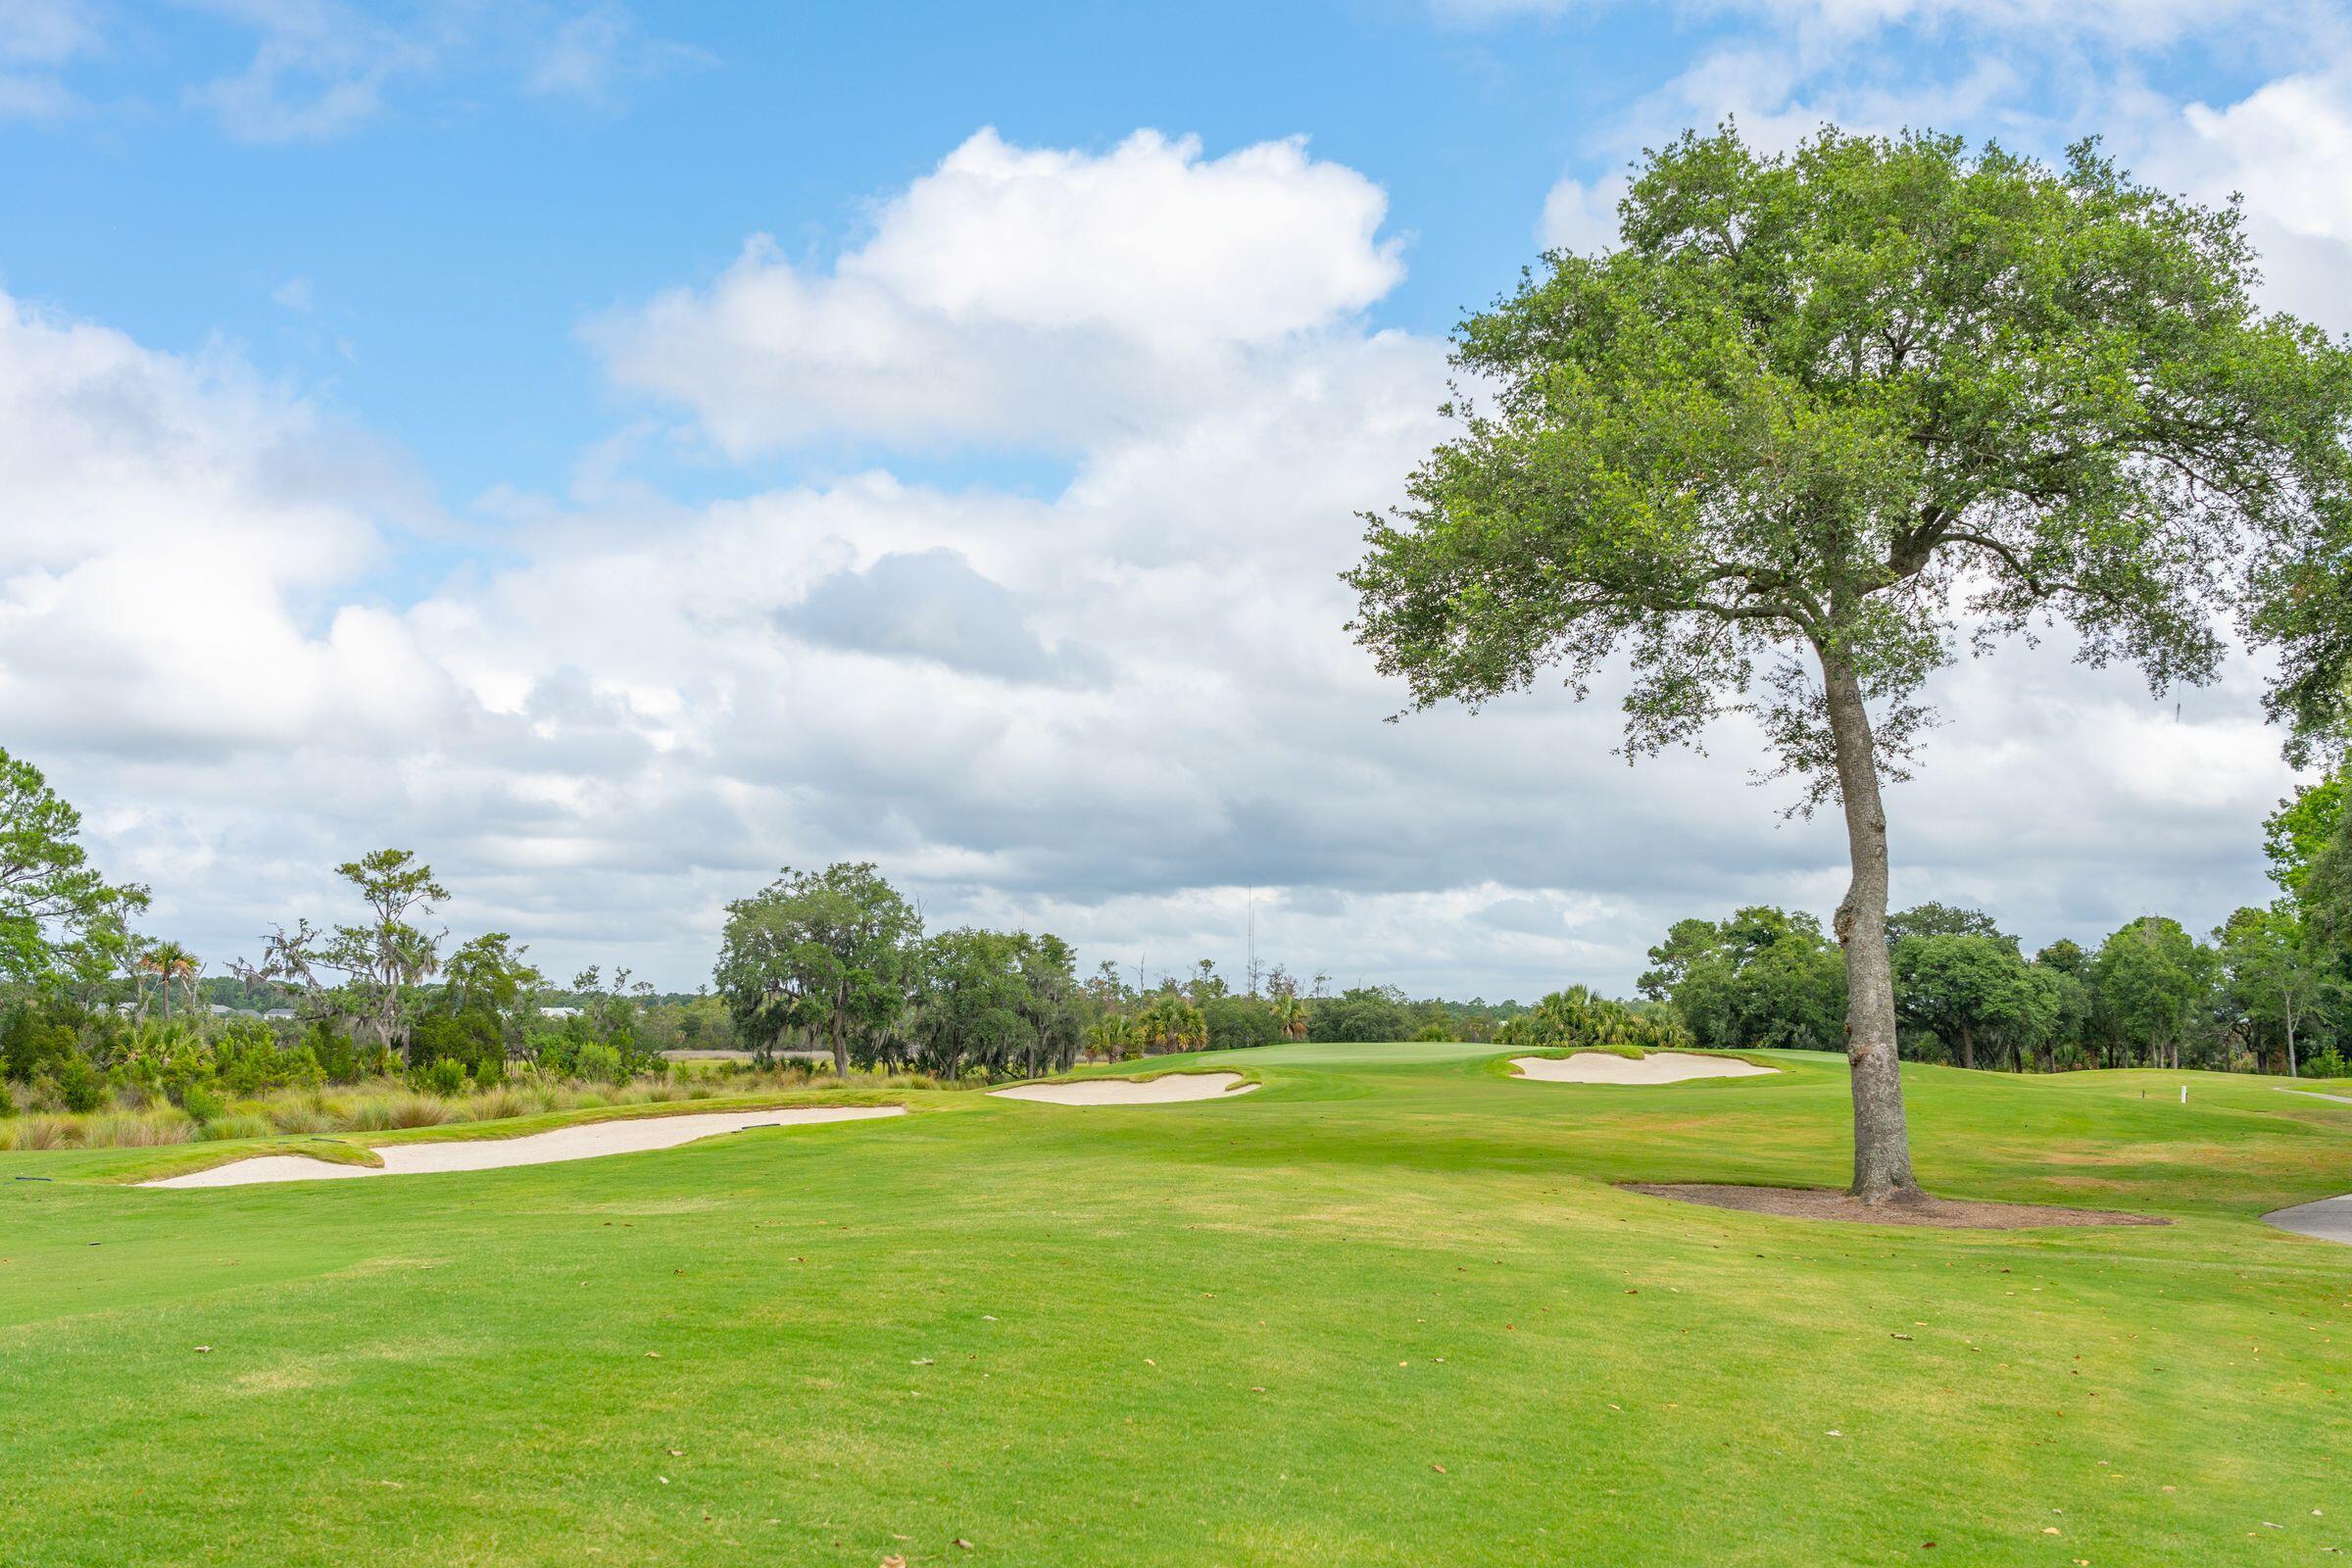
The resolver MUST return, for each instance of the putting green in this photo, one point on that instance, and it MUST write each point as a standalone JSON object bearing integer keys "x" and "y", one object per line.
{"x": 1386, "y": 1309}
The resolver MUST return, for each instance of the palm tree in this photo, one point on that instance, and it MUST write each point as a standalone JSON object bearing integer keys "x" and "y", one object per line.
{"x": 1112, "y": 1037}
{"x": 1290, "y": 1013}
{"x": 168, "y": 961}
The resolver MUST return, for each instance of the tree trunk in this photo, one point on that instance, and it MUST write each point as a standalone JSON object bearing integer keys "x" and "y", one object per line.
{"x": 1881, "y": 1142}
{"x": 841, "y": 1049}
{"x": 1968, "y": 1047}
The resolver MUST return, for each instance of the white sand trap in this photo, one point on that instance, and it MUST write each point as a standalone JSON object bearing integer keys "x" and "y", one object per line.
{"x": 1659, "y": 1067}
{"x": 588, "y": 1141}
{"x": 1164, "y": 1091}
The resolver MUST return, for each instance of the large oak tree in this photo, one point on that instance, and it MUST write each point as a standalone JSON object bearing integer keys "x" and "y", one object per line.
{"x": 831, "y": 952}
{"x": 1821, "y": 418}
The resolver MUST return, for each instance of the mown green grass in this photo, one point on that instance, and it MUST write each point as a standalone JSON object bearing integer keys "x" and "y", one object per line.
{"x": 1239, "y": 1331}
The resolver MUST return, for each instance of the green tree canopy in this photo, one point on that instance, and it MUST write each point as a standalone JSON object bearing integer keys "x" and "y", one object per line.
{"x": 379, "y": 962}
{"x": 1823, "y": 416}
{"x": 2279, "y": 980}
{"x": 1761, "y": 979}
{"x": 970, "y": 1003}
{"x": 2153, "y": 985}
{"x": 1360, "y": 1013}
{"x": 1973, "y": 988}
{"x": 1945, "y": 921}
{"x": 829, "y": 951}
{"x": 59, "y": 920}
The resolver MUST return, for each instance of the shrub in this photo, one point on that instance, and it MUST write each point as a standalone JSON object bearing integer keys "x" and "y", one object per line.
{"x": 445, "y": 1077}
{"x": 596, "y": 1060}
{"x": 471, "y": 1038}
{"x": 202, "y": 1105}
{"x": 31, "y": 1045}
{"x": 338, "y": 1055}
{"x": 78, "y": 1086}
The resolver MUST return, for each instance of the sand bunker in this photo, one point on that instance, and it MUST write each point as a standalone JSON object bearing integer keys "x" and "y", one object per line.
{"x": 2329, "y": 1219}
{"x": 1164, "y": 1091}
{"x": 1829, "y": 1203}
{"x": 587, "y": 1140}
{"x": 1659, "y": 1067}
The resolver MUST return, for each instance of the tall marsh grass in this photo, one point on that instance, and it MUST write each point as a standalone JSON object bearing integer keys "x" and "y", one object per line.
{"x": 381, "y": 1104}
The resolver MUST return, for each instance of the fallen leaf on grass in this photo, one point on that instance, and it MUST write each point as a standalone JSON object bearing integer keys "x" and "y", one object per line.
{"x": 1439, "y": 1468}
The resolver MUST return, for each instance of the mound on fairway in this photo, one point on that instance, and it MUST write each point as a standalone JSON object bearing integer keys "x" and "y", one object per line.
{"x": 588, "y": 1141}
{"x": 1659, "y": 1067}
{"x": 1162, "y": 1090}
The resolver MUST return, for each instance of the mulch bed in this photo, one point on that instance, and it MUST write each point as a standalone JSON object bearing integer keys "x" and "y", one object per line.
{"x": 1829, "y": 1203}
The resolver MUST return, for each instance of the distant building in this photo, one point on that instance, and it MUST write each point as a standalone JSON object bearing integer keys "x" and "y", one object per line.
{"x": 559, "y": 1013}
{"x": 281, "y": 1012}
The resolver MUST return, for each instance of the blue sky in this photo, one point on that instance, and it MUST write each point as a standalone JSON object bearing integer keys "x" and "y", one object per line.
{"x": 382, "y": 290}
{"x": 448, "y": 240}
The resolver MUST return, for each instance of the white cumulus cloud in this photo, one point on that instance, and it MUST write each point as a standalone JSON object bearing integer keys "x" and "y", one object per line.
{"x": 1023, "y": 294}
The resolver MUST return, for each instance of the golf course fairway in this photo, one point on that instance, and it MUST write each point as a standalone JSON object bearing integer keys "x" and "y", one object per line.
{"x": 1386, "y": 1308}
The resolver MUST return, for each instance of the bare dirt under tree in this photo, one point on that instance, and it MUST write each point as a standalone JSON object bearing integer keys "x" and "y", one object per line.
{"x": 1829, "y": 1202}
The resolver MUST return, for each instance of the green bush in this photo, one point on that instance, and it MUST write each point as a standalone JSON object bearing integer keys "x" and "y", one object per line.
{"x": 445, "y": 1078}
{"x": 471, "y": 1038}
{"x": 599, "y": 1062}
{"x": 336, "y": 1054}
{"x": 201, "y": 1104}
{"x": 79, "y": 1087}
{"x": 31, "y": 1044}
{"x": 1237, "y": 1022}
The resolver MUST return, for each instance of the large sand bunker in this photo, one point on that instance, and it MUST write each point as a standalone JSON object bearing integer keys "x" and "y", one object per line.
{"x": 1659, "y": 1067}
{"x": 1161, "y": 1091}
{"x": 587, "y": 1140}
